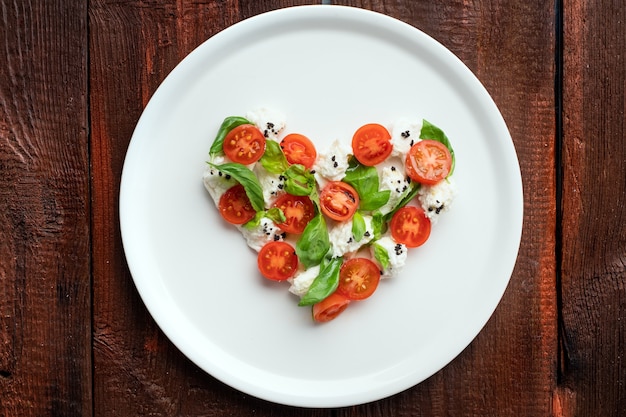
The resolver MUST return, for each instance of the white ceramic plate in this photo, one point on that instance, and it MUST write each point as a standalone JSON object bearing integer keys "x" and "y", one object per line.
{"x": 330, "y": 69}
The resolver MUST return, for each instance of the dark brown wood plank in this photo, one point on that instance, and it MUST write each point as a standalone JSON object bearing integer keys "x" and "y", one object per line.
{"x": 133, "y": 46}
{"x": 509, "y": 369}
{"x": 45, "y": 286}
{"x": 594, "y": 209}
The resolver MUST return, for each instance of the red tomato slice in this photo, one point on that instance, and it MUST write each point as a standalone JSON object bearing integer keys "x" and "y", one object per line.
{"x": 298, "y": 149}
{"x": 371, "y": 144}
{"x": 244, "y": 144}
{"x": 358, "y": 278}
{"x": 298, "y": 210}
{"x": 410, "y": 226}
{"x": 330, "y": 307}
{"x": 339, "y": 200}
{"x": 277, "y": 261}
{"x": 428, "y": 162}
{"x": 235, "y": 206}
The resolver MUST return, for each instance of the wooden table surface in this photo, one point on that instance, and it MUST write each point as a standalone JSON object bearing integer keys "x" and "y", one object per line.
{"x": 75, "y": 337}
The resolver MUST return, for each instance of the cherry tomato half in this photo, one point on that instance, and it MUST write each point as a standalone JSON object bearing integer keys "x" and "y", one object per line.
{"x": 244, "y": 144}
{"x": 298, "y": 149}
{"x": 358, "y": 278}
{"x": 235, "y": 206}
{"x": 371, "y": 144}
{"x": 298, "y": 210}
{"x": 339, "y": 200}
{"x": 330, "y": 307}
{"x": 428, "y": 162}
{"x": 277, "y": 261}
{"x": 410, "y": 226}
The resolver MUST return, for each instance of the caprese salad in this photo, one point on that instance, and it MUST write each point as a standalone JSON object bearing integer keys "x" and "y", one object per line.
{"x": 334, "y": 222}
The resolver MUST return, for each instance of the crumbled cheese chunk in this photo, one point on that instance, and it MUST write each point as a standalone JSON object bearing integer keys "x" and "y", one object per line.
{"x": 436, "y": 199}
{"x": 393, "y": 178}
{"x": 342, "y": 241}
{"x": 270, "y": 122}
{"x": 397, "y": 253}
{"x": 272, "y": 184}
{"x": 302, "y": 281}
{"x": 404, "y": 134}
{"x": 215, "y": 182}
{"x": 265, "y": 232}
{"x": 331, "y": 165}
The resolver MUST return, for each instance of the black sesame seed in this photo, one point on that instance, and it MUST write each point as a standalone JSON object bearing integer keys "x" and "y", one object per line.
{"x": 350, "y": 240}
{"x": 227, "y": 176}
{"x": 393, "y": 168}
{"x": 312, "y": 171}
{"x": 412, "y": 142}
{"x": 367, "y": 234}
{"x": 335, "y": 164}
{"x": 276, "y": 238}
{"x": 270, "y": 125}
{"x": 405, "y": 134}
{"x": 280, "y": 186}
{"x": 266, "y": 133}
{"x": 219, "y": 173}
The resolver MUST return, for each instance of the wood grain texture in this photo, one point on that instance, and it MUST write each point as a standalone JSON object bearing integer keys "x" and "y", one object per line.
{"x": 594, "y": 208}
{"x": 45, "y": 286}
{"x": 510, "y": 368}
{"x": 75, "y": 337}
{"x": 137, "y": 371}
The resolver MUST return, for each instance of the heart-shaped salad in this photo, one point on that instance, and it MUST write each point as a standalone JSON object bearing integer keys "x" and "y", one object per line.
{"x": 332, "y": 223}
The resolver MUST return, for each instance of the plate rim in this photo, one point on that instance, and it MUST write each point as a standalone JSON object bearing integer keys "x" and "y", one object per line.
{"x": 314, "y": 11}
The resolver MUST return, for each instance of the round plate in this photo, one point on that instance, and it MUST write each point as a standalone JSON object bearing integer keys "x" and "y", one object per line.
{"x": 330, "y": 69}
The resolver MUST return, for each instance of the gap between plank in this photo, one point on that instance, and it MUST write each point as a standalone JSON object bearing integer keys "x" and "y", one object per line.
{"x": 558, "y": 162}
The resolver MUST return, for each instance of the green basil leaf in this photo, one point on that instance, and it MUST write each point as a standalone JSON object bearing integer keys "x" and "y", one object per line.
{"x": 324, "y": 284}
{"x": 276, "y": 215}
{"x": 229, "y": 123}
{"x": 314, "y": 242}
{"x": 365, "y": 181}
{"x": 375, "y": 200}
{"x": 430, "y": 131}
{"x": 379, "y": 224}
{"x": 299, "y": 180}
{"x": 273, "y": 160}
{"x": 358, "y": 226}
{"x": 381, "y": 255}
{"x": 245, "y": 177}
{"x": 256, "y": 220}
